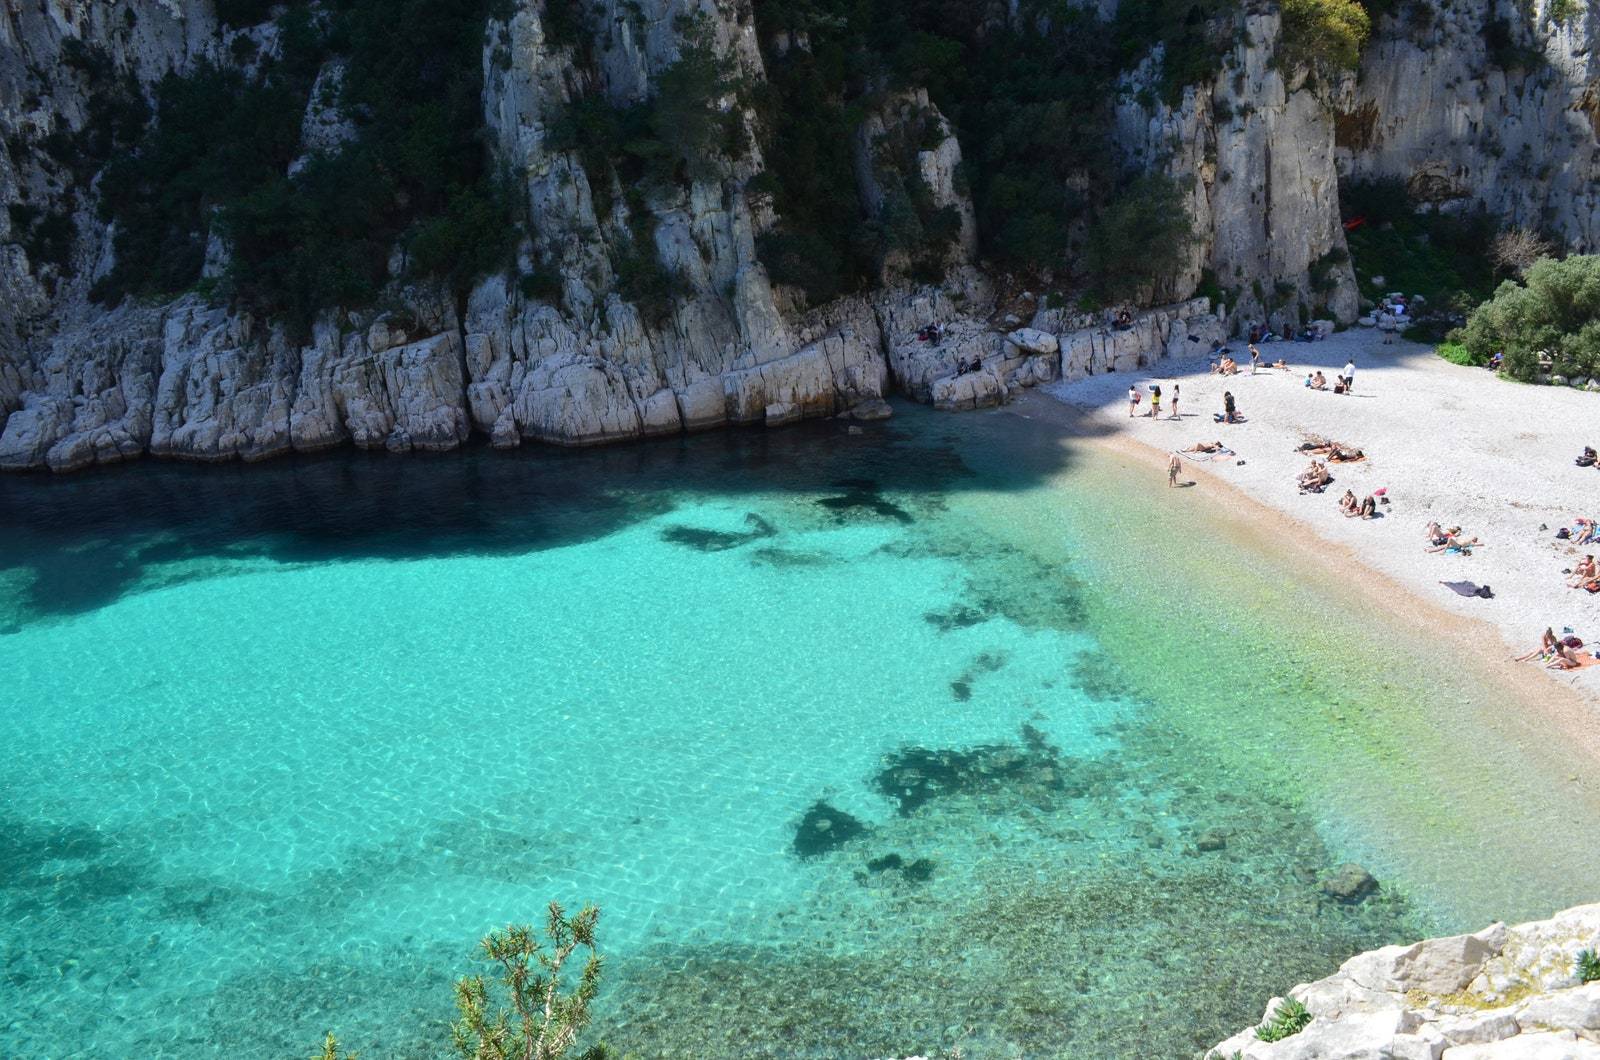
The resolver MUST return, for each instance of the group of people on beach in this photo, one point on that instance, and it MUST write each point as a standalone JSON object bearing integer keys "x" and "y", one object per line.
{"x": 1558, "y": 653}
{"x": 1135, "y": 395}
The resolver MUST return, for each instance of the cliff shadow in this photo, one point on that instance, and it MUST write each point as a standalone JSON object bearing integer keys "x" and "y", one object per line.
{"x": 74, "y": 543}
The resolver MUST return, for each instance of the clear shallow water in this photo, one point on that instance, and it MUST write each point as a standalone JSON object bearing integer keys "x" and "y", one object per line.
{"x": 283, "y": 741}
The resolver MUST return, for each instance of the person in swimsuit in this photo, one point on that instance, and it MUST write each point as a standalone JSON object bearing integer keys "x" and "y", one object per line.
{"x": 1547, "y": 644}
{"x": 1230, "y": 414}
{"x": 1348, "y": 504}
{"x": 1255, "y": 359}
{"x": 1452, "y": 539}
{"x": 1174, "y": 465}
{"x": 1205, "y": 447}
{"x": 1174, "y": 401}
{"x": 1586, "y": 570}
{"x": 1155, "y": 401}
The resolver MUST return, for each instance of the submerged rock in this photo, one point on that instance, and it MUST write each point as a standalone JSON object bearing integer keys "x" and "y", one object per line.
{"x": 1349, "y": 883}
{"x": 824, "y": 829}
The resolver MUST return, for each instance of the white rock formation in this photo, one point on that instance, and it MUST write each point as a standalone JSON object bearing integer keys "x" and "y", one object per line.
{"x": 1503, "y": 993}
{"x": 1260, "y": 150}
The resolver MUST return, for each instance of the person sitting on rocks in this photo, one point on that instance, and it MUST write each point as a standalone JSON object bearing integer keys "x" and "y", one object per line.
{"x": 1124, "y": 320}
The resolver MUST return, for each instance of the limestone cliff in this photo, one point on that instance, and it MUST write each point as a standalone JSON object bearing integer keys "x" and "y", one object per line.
{"x": 1504, "y": 993}
{"x": 1258, "y": 147}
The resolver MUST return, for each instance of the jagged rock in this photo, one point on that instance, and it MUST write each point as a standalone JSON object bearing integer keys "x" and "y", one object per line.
{"x": 1032, "y": 340}
{"x": 1416, "y": 1002}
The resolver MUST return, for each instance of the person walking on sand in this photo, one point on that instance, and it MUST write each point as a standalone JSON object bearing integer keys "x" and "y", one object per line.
{"x": 1350, "y": 376}
{"x": 1174, "y": 401}
{"x": 1174, "y": 465}
{"x": 1133, "y": 400}
{"x": 1255, "y": 358}
{"x": 1155, "y": 401}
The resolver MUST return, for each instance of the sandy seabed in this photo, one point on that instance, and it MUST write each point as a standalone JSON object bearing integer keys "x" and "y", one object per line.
{"x": 1445, "y": 442}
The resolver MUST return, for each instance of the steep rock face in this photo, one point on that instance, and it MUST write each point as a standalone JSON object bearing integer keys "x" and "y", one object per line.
{"x": 572, "y": 360}
{"x": 1484, "y": 106}
{"x": 1257, "y": 156}
{"x": 1501, "y": 994}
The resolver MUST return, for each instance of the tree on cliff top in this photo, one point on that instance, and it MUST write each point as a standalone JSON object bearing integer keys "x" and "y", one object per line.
{"x": 1324, "y": 33}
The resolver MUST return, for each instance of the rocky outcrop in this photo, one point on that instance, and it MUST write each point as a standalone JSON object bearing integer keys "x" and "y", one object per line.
{"x": 1503, "y": 993}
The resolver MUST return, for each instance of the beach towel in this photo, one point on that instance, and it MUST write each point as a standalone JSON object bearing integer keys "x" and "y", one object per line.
{"x": 1469, "y": 589}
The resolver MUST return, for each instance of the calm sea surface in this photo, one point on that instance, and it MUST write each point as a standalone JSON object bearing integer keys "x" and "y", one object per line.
{"x": 947, "y": 732}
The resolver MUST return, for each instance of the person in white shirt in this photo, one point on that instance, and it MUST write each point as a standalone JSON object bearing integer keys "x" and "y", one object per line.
{"x": 1133, "y": 400}
{"x": 1349, "y": 375}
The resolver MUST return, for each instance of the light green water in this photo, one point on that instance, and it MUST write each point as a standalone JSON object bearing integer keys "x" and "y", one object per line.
{"x": 282, "y": 742}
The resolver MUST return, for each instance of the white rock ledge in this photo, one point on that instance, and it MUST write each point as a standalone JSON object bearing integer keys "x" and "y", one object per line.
{"x": 1504, "y": 993}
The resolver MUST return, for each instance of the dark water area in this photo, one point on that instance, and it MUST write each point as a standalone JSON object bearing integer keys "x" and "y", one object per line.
{"x": 85, "y": 539}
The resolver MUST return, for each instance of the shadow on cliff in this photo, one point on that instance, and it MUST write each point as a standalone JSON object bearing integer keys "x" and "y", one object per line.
{"x": 82, "y": 541}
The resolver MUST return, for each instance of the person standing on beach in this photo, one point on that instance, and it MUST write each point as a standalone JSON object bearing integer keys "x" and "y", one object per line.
{"x": 1350, "y": 376}
{"x": 1174, "y": 465}
{"x": 1255, "y": 358}
{"x": 1174, "y": 400}
{"x": 1155, "y": 401}
{"x": 1133, "y": 400}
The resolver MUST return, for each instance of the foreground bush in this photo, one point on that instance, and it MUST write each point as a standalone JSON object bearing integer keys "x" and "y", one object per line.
{"x": 1549, "y": 322}
{"x": 544, "y": 1018}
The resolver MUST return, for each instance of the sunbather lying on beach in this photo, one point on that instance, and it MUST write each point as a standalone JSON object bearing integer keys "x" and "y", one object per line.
{"x": 1448, "y": 539}
{"x": 1584, "y": 532}
{"x": 1315, "y": 478}
{"x": 1279, "y": 363}
{"x": 1547, "y": 644}
{"x": 1206, "y": 447}
{"x": 1341, "y": 454}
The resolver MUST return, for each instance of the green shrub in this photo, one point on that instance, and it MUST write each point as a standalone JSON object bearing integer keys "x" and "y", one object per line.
{"x": 1288, "y": 1019}
{"x": 1588, "y": 966}
{"x": 1454, "y": 352}
{"x": 1327, "y": 33}
{"x": 1141, "y": 237}
{"x": 546, "y": 1013}
{"x": 1554, "y": 315}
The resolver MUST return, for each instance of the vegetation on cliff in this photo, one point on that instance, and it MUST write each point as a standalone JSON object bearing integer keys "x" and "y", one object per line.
{"x": 415, "y": 169}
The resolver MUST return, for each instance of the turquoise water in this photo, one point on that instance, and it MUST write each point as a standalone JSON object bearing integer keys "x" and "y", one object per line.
{"x": 282, "y": 742}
